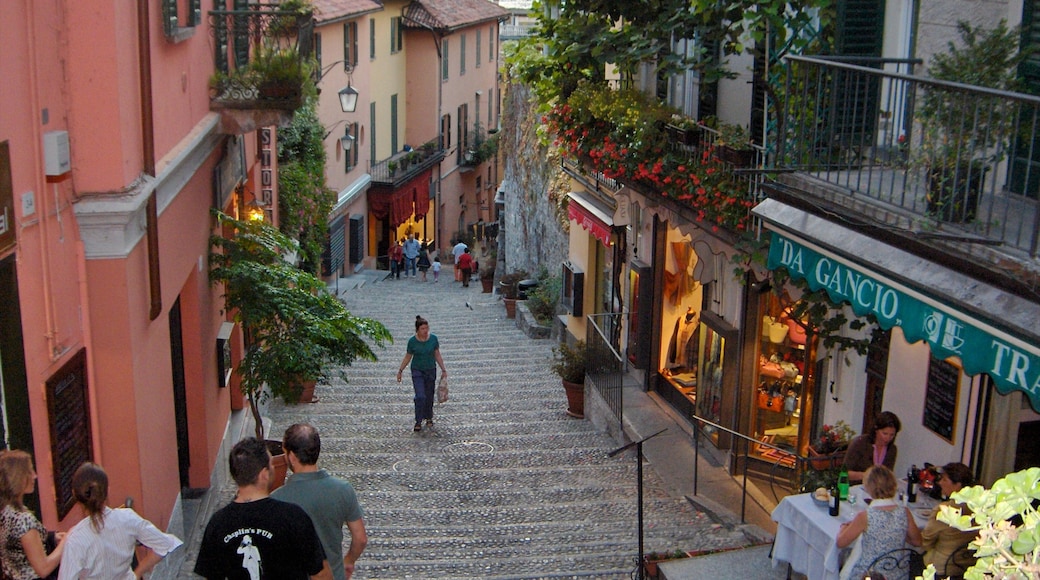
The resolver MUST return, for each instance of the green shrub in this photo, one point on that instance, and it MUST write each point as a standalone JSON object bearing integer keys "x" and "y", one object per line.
{"x": 543, "y": 299}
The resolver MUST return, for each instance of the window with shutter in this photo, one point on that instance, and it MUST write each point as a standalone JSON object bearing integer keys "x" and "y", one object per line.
{"x": 860, "y": 28}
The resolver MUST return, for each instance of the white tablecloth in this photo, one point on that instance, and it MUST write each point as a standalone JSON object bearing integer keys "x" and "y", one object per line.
{"x": 806, "y": 533}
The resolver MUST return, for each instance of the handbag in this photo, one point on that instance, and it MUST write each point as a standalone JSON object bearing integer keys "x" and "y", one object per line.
{"x": 767, "y": 368}
{"x": 796, "y": 332}
{"x": 442, "y": 390}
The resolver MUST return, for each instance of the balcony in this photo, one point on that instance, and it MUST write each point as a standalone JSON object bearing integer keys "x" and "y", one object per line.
{"x": 482, "y": 146}
{"x": 403, "y": 166}
{"x": 949, "y": 164}
{"x": 263, "y": 65}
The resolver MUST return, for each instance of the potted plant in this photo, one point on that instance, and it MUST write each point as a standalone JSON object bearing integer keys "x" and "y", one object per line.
{"x": 734, "y": 144}
{"x": 487, "y": 277}
{"x": 569, "y": 363}
{"x": 958, "y": 144}
{"x": 294, "y": 330}
{"x": 651, "y": 560}
{"x": 391, "y": 167}
{"x": 508, "y": 288}
{"x": 1006, "y": 519}
{"x": 830, "y": 446}
{"x": 684, "y": 130}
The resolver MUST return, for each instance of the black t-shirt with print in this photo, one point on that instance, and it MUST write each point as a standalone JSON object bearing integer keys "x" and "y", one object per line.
{"x": 264, "y": 539}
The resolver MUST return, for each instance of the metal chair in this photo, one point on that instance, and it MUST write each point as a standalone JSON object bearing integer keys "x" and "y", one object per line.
{"x": 958, "y": 562}
{"x": 898, "y": 564}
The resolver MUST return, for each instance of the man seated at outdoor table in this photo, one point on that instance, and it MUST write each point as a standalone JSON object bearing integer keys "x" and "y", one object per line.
{"x": 940, "y": 540}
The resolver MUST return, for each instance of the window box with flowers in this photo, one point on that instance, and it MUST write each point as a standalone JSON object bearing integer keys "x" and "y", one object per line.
{"x": 829, "y": 448}
{"x": 623, "y": 135}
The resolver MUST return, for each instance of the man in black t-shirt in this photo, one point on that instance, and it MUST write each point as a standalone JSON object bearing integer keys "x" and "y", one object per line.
{"x": 256, "y": 537}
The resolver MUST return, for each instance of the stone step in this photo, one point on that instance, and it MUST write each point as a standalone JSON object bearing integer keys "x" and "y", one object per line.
{"x": 506, "y": 485}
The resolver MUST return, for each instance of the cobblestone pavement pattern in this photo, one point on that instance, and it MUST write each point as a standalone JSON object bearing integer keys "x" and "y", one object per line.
{"x": 505, "y": 484}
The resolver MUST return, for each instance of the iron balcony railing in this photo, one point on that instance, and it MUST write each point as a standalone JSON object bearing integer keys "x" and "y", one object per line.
{"x": 953, "y": 160}
{"x": 402, "y": 166}
{"x": 261, "y": 55}
{"x": 606, "y": 367}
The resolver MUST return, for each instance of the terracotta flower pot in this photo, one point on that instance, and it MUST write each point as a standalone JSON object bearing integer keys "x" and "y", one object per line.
{"x": 487, "y": 285}
{"x": 279, "y": 463}
{"x": 827, "y": 460}
{"x": 510, "y": 307}
{"x": 575, "y": 399}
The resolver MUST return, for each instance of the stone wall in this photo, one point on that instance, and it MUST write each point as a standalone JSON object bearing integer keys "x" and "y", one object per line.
{"x": 937, "y": 22}
{"x": 534, "y": 232}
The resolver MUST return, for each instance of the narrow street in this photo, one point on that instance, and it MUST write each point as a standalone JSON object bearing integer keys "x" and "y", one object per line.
{"x": 505, "y": 485}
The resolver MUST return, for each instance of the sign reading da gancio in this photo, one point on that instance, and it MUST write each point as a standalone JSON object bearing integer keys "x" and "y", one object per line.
{"x": 1012, "y": 364}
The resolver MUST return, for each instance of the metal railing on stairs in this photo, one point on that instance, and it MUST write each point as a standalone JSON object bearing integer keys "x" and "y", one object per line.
{"x": 605, "y": 365}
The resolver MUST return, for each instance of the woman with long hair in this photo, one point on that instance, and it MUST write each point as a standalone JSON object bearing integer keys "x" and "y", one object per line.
{"x": 424, "y": 353}
{"x": 102, "y": 545}
{"x": 22, "y": 543}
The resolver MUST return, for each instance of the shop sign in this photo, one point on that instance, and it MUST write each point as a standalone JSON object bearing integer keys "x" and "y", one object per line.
{"x": 1010, "y": 362}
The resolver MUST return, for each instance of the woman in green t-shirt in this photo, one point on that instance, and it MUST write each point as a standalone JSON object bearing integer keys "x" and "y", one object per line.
{"x": 424, "y": 353}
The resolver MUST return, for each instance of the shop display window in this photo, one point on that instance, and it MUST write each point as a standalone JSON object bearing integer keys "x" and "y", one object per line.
{"x": 781, "y": 402}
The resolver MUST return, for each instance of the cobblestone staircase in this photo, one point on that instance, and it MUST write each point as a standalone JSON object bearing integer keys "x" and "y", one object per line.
{"x": 505, "y": 485}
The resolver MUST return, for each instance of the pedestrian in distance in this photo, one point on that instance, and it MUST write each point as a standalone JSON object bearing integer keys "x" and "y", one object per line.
{"x": 423, "y": 262}
{"x": 330, "y": 502}
{"x": 424, "y": 354}
{"x": 456, "y": 252}
{"x": 396, "y": 255}
{"x": 257, "y": 537}
{"x": 23, "y": 540}
{"x": 465, "y": 265}
{"x": 411, "y": 254}
{"x": 102, "y": 545}
{"x": 436, "y": 267}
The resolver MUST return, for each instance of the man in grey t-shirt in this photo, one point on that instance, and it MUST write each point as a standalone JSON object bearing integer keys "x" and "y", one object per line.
{"x": 330, "y": 502}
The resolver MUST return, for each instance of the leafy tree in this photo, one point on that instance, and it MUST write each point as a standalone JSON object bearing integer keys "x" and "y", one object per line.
{"x": 294, "y": 329}
{"x": 304, "y": 201}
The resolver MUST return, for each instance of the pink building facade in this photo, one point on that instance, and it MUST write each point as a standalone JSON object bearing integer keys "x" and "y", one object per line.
{"x": 110, "y": 163}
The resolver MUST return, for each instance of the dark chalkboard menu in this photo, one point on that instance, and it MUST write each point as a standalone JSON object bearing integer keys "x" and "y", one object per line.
{"x": 69, "y": 411}
{"x": 940, "y": 403}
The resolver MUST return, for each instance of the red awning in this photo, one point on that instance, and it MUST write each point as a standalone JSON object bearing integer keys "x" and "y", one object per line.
{"x": 410, "y": 198}
{"x": 588, "y": 220}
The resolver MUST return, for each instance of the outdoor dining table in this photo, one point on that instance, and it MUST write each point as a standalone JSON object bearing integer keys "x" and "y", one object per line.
{"x": 806, "y": 534}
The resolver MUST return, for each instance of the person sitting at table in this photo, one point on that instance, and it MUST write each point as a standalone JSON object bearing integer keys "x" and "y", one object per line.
{"x": 875, "y": 447}
{"x": 883, "y": 526}
{"x": 940, "y": 540}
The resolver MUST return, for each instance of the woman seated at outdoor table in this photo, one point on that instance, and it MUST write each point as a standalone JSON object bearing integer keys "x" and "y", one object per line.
{"x": 875, "y": 447}
{"x": 940, "y": 540}
{"x": 883, "y": 526}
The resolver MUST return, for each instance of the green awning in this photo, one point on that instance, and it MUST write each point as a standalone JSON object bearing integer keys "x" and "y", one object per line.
{"x": 1012, "y": 363}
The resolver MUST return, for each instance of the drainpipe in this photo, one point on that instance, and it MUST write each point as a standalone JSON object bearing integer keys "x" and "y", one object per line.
{"x": 144, "y": 69}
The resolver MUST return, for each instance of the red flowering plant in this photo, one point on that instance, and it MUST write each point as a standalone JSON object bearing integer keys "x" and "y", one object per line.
{"x": 621, "y": 133}
{"x": 833, "y": 438}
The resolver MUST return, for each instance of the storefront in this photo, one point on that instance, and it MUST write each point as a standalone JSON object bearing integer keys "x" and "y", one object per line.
{"x": 780, "y": 407}
{"x": 959, "y": 346}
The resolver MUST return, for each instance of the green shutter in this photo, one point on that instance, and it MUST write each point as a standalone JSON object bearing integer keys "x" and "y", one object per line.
{"x": 1024, "y": 175}
{"x": 860, "y": 27}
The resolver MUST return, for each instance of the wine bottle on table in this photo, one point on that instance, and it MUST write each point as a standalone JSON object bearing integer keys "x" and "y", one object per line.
{"x": 834, "y": 502}
{"x": 843, "y": 484}
{"x": 912, "y": 478}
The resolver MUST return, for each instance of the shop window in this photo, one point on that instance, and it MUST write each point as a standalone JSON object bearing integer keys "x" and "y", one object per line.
{"x": 573, "y": 286}
{"x": 783, "y": 395}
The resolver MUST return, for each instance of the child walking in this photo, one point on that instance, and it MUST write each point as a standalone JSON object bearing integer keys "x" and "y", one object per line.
{"x": 436, "y": 267}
